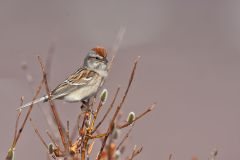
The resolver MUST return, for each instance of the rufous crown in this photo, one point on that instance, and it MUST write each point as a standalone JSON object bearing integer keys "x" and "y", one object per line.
{"x": 100, "y": 51}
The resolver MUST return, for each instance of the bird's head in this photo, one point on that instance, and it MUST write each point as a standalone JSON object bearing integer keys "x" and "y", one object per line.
{"x": 96, "y": 59}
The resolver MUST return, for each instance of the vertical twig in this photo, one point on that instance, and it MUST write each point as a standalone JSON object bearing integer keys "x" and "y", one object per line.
{"x": 50, "y": 53}
{"x": 125, "y": 137}
{"x": 116, "y": 45}
{"x": 52, "y": 139}
{"x": 84, "y": 141}
{"x": 110, "y": 128}
{"x": 28, "y": 112}
{"x": 76, "y": 127}
{"x": 96, "y": 114}
{"x": 56, "y": 117}
{"x": 38, "y": 133}
{"x": 68, "y": 137}
{"x": 109, "y": 109}
{"x": 135, "y": 152}
{"x": 16, "y": 124}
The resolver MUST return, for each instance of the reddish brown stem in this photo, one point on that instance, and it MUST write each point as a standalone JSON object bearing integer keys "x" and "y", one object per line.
{"x": 28, "y": 112}
{"x": 137, "y": 118}
{"x": 108, "y": 111}
{"x": 56, "y": 117}
{"x": 52, "y": 139}
{"x": 111, "y": 126}
{"x": 17, "y": 122}
{"x": 38, "y": 134}
{"x": 125, "y": 137}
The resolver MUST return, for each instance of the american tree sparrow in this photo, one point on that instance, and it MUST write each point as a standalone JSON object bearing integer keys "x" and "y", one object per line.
{"x": 84, "y": 83}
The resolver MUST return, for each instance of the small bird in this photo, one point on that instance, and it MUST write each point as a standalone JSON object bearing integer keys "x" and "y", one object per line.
{"x": 84, "y": 83}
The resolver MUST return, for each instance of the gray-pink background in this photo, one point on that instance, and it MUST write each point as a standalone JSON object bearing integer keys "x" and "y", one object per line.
{"x": 190, "y": 66}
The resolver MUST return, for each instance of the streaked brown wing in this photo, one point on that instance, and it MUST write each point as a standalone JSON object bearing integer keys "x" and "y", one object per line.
{"x": 75, "y": 81}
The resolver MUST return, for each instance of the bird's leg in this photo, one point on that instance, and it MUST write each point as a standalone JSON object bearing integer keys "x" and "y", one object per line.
{"x": 91, "y": 103}
{"x": 93, "y": 100}
{"x": 85, "y": 105}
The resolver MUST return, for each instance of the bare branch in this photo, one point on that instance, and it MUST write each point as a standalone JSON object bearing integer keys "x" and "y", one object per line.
{"x": 138, "y": 117}
{"x": 125, "y": 137}
{"x": 84, "y": 139}
{"x": 56, "y": 117}
{"x": 52, "y": 139}
{"x": 96, "y": 113}
{"x": 90, "y": 147}
{"x": 16, "y": 124}
{"x": 116, "y": 45}
{"x": 67, "y": 132}
{"x": 111, "y": 126}
{"x": 108, "y": 111}
{"x": 38, "y": 133}
{"x": 28, "y": 112}
{"x": 50, "y": 52}
{"x": 135, "y": 152}
{"x": 97, "y": 136}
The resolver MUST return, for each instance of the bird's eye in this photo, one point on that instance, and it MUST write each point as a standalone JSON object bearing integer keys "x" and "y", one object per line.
{"x": 97, "y": 58}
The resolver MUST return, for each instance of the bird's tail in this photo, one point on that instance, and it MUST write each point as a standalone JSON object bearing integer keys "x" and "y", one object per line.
{"x": 42, "y": 99}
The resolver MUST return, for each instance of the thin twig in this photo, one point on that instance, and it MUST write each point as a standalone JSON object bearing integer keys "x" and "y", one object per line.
{"x": 83, "y": 150}
{"x": 126, "y": 92}
{"x": 50, "y": 53}
{"x": 41, "y": 139}
{"x": 96, "y": 113}
{"x": 49, "y": 115}
{"x": 28, "y": 112}
{"x": 17, "y": 122}
{"x": 56, "y": 117}
{"x": 213, "y": 154}
{"x": 83, "y": 123}
{"x": 108, "y": 111}
{"x": 125, "y": 137}
{"x": 90, "y": 147}
{"x": 76, "y": 127}
{"x": 111, "y": 125}
{"x": 78, "y": 122}
{"x": 74, "y": 132}
{"x": 67, "y": 132}
{"x": 116, "y": 45}
{"x": 97, "y": 136}
{"x": 52, "y": 139}
{"x": 135, "y": 152}
{"x": 138, "y": 117}
{"x": 84, "y": 139}
{"x": 38, "y": 133}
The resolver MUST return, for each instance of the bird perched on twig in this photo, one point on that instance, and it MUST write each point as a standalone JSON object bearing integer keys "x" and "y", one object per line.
{"x": 84, "y": 83}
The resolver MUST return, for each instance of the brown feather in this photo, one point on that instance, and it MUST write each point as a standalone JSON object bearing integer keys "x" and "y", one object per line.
{"x": 100, "y": 51}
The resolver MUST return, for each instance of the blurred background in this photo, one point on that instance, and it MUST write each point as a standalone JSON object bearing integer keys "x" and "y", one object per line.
{"x": 190, "y": 54}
